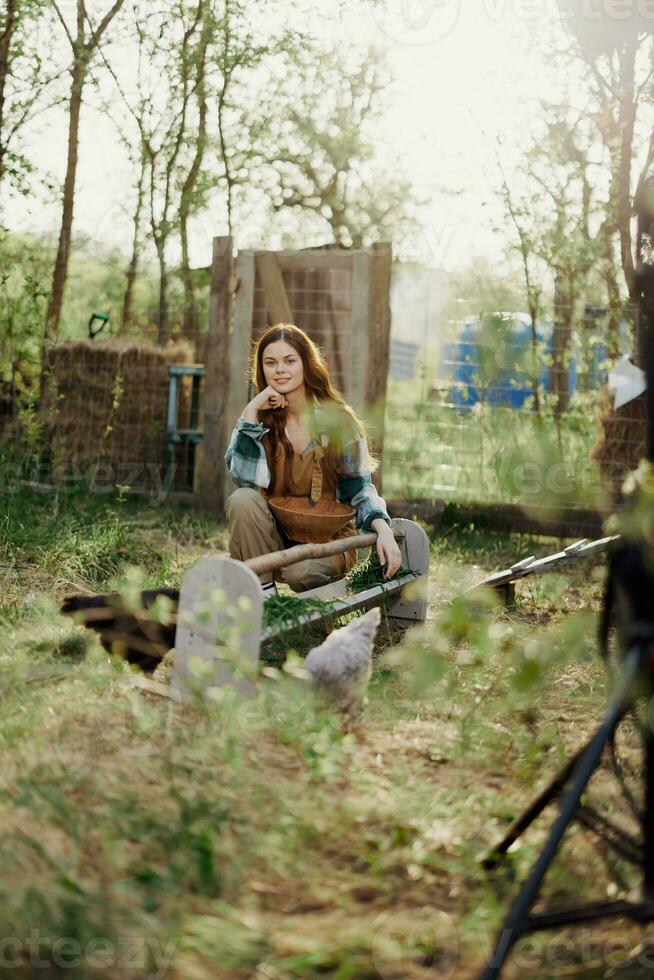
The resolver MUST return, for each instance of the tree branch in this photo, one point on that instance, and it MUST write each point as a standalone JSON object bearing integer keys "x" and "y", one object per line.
{"x": 104, "y": 24}
{"x": 59, "y": 14}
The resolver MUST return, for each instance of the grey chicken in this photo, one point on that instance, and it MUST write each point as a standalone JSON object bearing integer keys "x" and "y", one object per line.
{"x": 342, "y": 665}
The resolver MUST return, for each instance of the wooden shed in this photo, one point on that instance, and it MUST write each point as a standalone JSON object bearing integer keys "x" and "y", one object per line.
{"x": 339, "y": 296}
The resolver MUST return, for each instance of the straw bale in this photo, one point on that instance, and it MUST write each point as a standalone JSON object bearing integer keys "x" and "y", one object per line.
{"x": 621, "y": 443}
{"x": 109, "y": 421}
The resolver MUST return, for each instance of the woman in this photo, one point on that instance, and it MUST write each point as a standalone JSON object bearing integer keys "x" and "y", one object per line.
{"x": 295, "y": 429}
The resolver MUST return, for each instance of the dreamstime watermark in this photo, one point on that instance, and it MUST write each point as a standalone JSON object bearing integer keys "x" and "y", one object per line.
{"x": 40, "y": 950}
{"x": 423, "y": 22}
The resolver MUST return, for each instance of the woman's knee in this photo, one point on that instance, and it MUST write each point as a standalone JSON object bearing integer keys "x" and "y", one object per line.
{"x": 243, "y": 501}
{"x": 306, "y": 575}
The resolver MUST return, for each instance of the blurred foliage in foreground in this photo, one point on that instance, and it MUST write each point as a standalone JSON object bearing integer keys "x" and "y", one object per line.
{"x": 260, "y": 837}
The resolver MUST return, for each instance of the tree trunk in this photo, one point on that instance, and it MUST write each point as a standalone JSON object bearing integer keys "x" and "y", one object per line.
{"x": 186, "y": 199}
{"x": 561, "y": 342}
{"x": 159, "y": 237}
{"x": 162, "y": 316}
{"x": 166, "y": 183}
{"x": 130, "y": 275}
{"x": 613, "y": 294}
{"x": 83, "y": 50}
{"x": 212, "y": 473}
{"x": 5, "y": 47}
{"x": 627, "y": 120}
{"x": 535, "y": 373}
{"x": 53, "y": 315}
{"x": 222, "y": 137}
{"x": 190, "y": 324}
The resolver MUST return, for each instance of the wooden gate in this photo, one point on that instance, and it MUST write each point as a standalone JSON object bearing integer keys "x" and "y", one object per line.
{"x": 339, "y": 296}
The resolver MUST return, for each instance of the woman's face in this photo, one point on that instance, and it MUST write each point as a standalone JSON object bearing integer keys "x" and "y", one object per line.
{"x": 282, "y": 367}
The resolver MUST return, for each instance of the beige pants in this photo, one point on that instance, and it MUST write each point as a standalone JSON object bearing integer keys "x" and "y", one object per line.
{"x": 253, "y": 531}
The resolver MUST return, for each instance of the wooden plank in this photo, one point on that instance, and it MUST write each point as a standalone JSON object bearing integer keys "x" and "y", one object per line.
{"x": 240, "y": 346}
{"x": 218, "y": 629}
{"x": 545, "y": 520}
{"x": 576, "y": 546}
{"x": 336, "y": 258}
{"x": 333, "y": 590}
{"x": 557, "y": 522}
{"x": 356, "y": 383}
{"x": 414, "y": 545}
{"x": 279, "y": 308}
{"x": 377, "y": 595}
{"x": 334, "y": 336}
{"x": 339, "y": 310}
{"x": 379, "y": 333}
{"x": 211, "y": 479}
{"x": 523, "y": 563}
{"x": 549, "y": 563}
{"x": 428, "y": 511}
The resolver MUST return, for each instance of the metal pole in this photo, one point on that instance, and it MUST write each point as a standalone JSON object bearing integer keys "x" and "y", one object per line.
{"x": 648, "y": 345}
{"x": 648, "y": 817}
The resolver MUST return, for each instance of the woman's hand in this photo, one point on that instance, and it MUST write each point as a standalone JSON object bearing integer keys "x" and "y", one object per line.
{"x": 387, "y": 548}
{"x": 269, "y": 398}
{"x": 265, "y": 400}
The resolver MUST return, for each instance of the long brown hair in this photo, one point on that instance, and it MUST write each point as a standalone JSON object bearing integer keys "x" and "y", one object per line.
{"x": 342, "y": 425}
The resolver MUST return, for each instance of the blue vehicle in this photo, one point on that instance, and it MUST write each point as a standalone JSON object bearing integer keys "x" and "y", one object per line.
{"x": 491, "y": 361}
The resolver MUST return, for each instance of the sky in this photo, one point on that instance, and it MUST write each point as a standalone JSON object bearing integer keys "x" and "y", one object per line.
{"x": 466, "y": 72}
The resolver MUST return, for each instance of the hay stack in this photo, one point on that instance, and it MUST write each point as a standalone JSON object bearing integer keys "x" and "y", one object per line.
{"x": 621, "y": 444}
{"x": 108, "y": 425}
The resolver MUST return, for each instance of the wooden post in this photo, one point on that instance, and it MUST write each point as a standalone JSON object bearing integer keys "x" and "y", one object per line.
{"x": 241, "y": 338}
{"x": 218, "y": 629}
{"x": 414, "y": 545}
{"x": 359, "y": 340}
{"x": 279, "y": 308}
{"x": 216, "y": 385}
{"x": 379, "y": 331}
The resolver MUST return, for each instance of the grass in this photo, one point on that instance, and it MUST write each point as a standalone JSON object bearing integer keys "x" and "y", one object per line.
{"x": 490, "y": 453}
{"x": 73, "y": 541}
{"x": 259, "y": 840}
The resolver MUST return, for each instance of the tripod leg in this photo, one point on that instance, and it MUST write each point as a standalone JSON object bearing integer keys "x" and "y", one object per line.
{"x": 525, "y": 820}
{"x": 648, "y": 818}
{"x": 517, "y": 920}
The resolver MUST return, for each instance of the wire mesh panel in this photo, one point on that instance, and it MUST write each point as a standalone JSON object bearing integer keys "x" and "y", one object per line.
{"x": 107, "y": 418}
{"x": 321, "y": 303}
{"x": 518, "y": 415}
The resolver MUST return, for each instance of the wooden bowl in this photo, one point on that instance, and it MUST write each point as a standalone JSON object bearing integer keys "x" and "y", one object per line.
{"x": 309, "y": 523}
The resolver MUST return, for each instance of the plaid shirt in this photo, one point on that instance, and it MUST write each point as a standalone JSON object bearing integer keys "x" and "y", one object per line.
{"x": 248, "y": 467}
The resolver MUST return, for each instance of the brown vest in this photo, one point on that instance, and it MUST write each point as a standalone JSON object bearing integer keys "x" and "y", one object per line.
{"x": 308, "y": 478}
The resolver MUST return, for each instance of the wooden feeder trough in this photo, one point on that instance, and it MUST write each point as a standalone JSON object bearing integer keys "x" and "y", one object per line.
{"x": 220, "y": 615}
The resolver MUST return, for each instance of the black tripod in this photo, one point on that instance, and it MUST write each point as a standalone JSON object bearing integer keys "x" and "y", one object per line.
{"x": 637, "y": 680}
